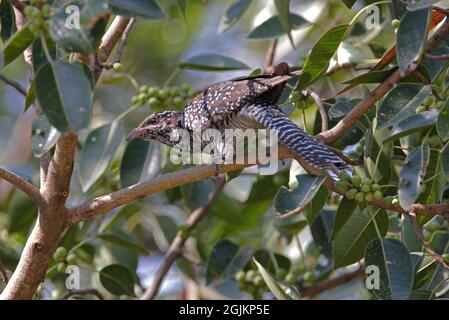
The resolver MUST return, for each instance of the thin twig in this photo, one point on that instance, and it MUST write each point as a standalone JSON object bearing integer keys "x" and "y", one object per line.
{"x": 424, "y": 243}
{"x": 331, "y": 283}
{"x": 434, "y": 57}
{"x": 22, "y": 184}
{"x": 175, "y": 250}
{"x": 82, "y": 292}
{"x": 270, "y": 56}
{"x": 16, "y": 85}
{"x": 3, "y": 272}
{"x": 320, "y": 105}
{"x": 122, "y": 45}
{"x": 293, "y": 212}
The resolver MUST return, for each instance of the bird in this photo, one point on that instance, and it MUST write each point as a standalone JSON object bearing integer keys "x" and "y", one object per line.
{"x": 244, "y": 103}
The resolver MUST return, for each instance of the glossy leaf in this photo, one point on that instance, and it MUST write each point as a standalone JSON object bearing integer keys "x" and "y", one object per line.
{"x": 445, "y": 161}
{"x": 411, "y": 176}
{"x": 345, "y": 209}
{"x": 17, "y": 44}
{"x": 283, "y": 9}
{"x": 122, "y": 242}
{"x": 64, "y": 94}
{"x": 212, "y": 62}
{"x": 395, "y": 268}
{"x": 275, "y": 285}
{"x": 435, "y": 182}
{"x": 140, "y": 161}
{"x": 225, "y": 260}
{"x": 413, "y": 123}
{"x": 349, "y": 245}
{"x": 339, "y": 109}
{"x": 272, "y": 28}
{"x": 316, "y": 205}
{"x": 321, "y": 230}
{"x": 98, "y": 151}
{"x": 287, "y": 200}
{"x": 443, "y": 122}
{"x": 318, "y": 59}
{"x": 411, "y": 37}
{"x": 117, "y": 279}
{"x": 440, "y": 244}
{"x": 272, "y": 261}
{"x": 147, "y": 9}
{"x": 408, "y": 235}
{"x": 44, "y": 136}
{"x": 7, "y": 21}
{"x": 233, "y": 14}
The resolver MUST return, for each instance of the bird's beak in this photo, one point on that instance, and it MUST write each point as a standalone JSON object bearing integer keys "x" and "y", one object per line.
{"x": 135, "y": 133}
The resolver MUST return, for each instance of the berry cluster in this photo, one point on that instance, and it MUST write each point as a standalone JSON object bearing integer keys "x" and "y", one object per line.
{"x": 167, "y": 97}
{"x": 428, "y": 104}
{"x": 63, "y": 259}
{"x": 36, "y": 13}
{"x": 252, "y": 282}
{"x": 358, "y": 188}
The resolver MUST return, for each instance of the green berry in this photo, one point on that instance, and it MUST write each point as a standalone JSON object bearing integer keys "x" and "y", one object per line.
{"x": 377, "y": 195}
{"x": 143, "y": 96}
{"x": 154, "y": 103}
{"x": 258, "y": 282}
{"x": 163, "y": 93}
{"x": 360, "y": 197}
{"x": 175, "y": 92}
{"x": 290, "y": 278}
{"x": 185, "y": 87}
{"x": 60, "y": 254}
{"x": 178, "y": 102}
{"x": 395, "y": 202}
{"x": 281, "y": 273}
{"x": 46, "y": 9}
{"x": 356, "y": 180}
{"x": 345, "y": 176}
{"x": 369, "y": 196}
{"x": 428, "y": 101}
{"x": 191, "y": 93}
{"x": 439, "y": 105}
{"x": 240, "y": 276}
{"x": 61, "y": 267}
{"x": 351, "y": 194}
{"x": 395, "y": 23}
{"x": 365, "y": 188}
{"x": 341, "y": 185}
{"x": 143, "y": 89}
{"x": 250, "y": 275}
{"x": 118, "y": 67}
{"x": 366, "y": 181}
{"x": 308, "y": 276}
{"x": 420, "y": 109}
{"x": 153, "y": 91}
{"x": 135, "y": 100}
{"x": 375, "y": 187}
{"x": 71, "y": 259}
{"x": 388, "y": 201}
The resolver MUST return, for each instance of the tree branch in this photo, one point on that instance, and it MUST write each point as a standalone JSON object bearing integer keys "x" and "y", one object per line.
{"x": 332, "y": 135}
{"x": 122, "y": 45}
{"x": 28, "y": 188}
{"x": 16, "y": 85}
{"x": 434, "y": 57}
{"x": 175, "y": 250}
{"x": 271, "y": 53}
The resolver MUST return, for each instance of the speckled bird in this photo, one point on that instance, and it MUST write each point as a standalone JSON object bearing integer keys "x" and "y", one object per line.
{"x": 244, "y": 103}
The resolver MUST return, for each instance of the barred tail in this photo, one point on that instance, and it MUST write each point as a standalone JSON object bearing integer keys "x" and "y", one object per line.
{"x": 296, "y": 140}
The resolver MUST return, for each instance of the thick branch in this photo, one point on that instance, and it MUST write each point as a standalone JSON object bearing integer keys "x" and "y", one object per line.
{"x": 330, "y": 136}
{"x": 20, "y": 183}
{"x": 175, "y": 250}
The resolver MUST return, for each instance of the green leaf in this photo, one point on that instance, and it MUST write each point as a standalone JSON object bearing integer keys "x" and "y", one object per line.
{"x": 98, "y": 151}
{"x": 435, "y": 182}
{"x": 375, "y": 157}
{"x": 440, "y": 244}
{"x": 272, "y": 28}
{"x": 396, "y": 100}
{"x": 287, "y": 200}
{"x": 316, "y": 205}
{"x": 7, "y": 21}
{"x": 395, "y": 268}
{"x": 233, "y": 14}
{"x": 443, "y": 122}
{"x": 124, "y": 243}
{"x": 283, "y": 9}
{"x": 318, "y": 59}
{"x": 280, "y": 290}
{"x": 182, "y": 6}
{"x": 413, "y": 124}
{"x": 31, "y": 96}
{"x": 411, "y": 176}
{"x": 44, "y": 136}
{"x": 147, "y": 9}
{"x": 349, "y": 245}
{"x": 140, "y": 161}
{"x": 411, "y": 37}
{"x": 408, "y": 235}
{"x": 344, "y": 212}
{"x": 420, "y": 294}
{"x": 272, "y": 261}
{"x": 445, "y": 161}
{"x": 17, "y": 44}
{"x": 212, "y": 62}
{"x": 375, "y": 76}
{"x": 349, "y": 3}
{"x": 117, "y": 279}
{"x": 321, "y": 232}
{"x": 64, "y": 94}
{"x": 409, "y": 108}
{"x": 225, "y": 260}
{"x": 339, "y": 110}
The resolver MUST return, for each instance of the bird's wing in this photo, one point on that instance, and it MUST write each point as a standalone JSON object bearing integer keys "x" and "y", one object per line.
{"x": 311, "y": 150}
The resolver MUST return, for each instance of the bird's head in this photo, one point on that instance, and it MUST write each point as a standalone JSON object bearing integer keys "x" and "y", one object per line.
{"x": 158, "y": 126}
